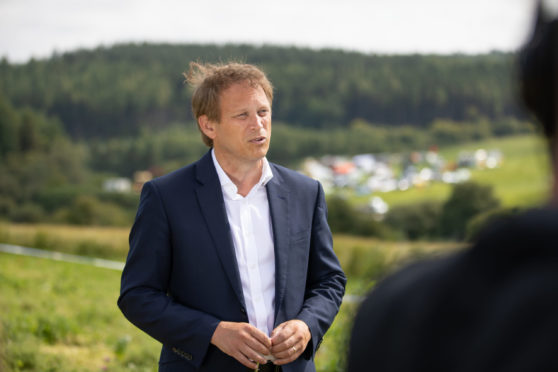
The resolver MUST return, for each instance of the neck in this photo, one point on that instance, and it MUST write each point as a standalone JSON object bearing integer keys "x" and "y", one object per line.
{"x": 245, "y": 175}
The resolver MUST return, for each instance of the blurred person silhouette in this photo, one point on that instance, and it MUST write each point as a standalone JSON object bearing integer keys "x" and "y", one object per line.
{"x": 494, "y": 306}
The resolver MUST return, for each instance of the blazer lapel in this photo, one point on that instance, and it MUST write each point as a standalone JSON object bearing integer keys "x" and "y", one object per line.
{"x": 212, "y": 205}
{"x": 278, "y": 198}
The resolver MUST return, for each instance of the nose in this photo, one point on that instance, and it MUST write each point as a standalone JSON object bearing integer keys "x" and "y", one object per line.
{"x": 257, "y": 122}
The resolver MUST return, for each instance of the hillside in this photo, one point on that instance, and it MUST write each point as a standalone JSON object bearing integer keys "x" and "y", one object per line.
{"x": 119, "y": 91}
{"x": 522, "y": 180}
{"x": 71, "y": 122}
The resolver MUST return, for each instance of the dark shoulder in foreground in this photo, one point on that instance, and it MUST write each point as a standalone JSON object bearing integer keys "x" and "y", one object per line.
{"x": 492, "y": 306}
{"x": 504, "y": 244}
{"x": 532, "y": 233}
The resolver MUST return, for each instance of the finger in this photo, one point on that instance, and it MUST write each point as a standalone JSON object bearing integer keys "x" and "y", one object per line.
{"x": 247, "y": 362}
{"x": 286, "y": 344}
{"x": 287, "y": 356}
{"x": 256, "y": 351}
{"x": 282, "y": 349}
{"x": 254, "y": 355}
{"x": 277, "y": 329}
{"x": 258, "y": 341}
{"x": 287, "y": 352}
{"x": 259, "y": 350}
{"x": 260, "y": 337}
{"x": 281, "y": 334}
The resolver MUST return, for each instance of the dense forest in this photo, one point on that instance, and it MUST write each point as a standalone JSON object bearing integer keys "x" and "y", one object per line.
{"x": 118, "y": 91}
{"x": 73, "y": 120}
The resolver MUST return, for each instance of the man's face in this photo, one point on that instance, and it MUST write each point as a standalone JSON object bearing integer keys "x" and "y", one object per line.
{"x": 242, "y": 135}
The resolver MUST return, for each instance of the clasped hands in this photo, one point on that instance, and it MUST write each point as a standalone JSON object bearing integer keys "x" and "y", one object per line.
{"x": 251, "y": 347}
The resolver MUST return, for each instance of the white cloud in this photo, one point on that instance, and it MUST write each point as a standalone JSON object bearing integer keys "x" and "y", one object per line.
{"x": 36, "y": 28}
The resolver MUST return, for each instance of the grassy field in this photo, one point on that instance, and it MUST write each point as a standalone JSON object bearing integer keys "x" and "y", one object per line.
{"x": 60, "y": 316}
{"x": 63, "y": 317}
{"x": 522, "y": 180}
{"x": 112, "y": 243}
{"x": 103, "y": 242}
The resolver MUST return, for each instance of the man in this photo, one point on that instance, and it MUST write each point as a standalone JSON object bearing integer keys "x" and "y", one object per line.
{"x": 493, "y": 307}
{"x": 231, "y": 264}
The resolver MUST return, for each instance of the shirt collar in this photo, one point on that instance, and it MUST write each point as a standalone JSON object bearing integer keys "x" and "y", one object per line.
{"x": 226, "y": 182}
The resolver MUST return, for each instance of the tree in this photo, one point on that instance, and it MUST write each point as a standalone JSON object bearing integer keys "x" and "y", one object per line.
{"x": 9, "y": 122}
{"x": 119, "y": 91}
{"x": 466, "y": 201}
{"x": 416, "y": 221}
{"x": 343, "y": 218}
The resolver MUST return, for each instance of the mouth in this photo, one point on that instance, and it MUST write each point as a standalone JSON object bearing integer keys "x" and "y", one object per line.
{"x": 259, "y": 140}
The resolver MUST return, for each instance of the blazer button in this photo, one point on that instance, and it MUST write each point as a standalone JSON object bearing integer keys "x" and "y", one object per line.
{"x": 243, "y": 310}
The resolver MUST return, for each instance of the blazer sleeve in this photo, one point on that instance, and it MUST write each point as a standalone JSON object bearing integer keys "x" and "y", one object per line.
{"x": 325, "y": 284}
{"x": 143, "y": 295}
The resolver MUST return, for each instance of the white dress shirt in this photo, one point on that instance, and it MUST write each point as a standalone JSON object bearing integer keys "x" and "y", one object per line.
{"x": 252, "y": 235}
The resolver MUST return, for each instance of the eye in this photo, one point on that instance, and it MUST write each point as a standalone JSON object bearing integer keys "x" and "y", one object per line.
{"x": 263, "y": 112}
{"x": 242, "y": 115}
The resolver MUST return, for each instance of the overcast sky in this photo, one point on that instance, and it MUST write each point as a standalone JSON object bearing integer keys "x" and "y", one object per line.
{"x": 36, "y": 28}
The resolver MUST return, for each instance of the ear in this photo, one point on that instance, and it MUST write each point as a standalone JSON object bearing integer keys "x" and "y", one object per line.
{"x": 207, "y": 126}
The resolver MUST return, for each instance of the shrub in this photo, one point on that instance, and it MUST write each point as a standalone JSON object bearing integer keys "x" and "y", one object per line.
{"x": 7, "y": 206}
{"x": 466, "y": 201}
{"x": 343, "y": 218}
{"x": 510, "y": 126}
{"x": 94, "y": 249}
{"x": 128, "y": 201}
{"x": 88, "y": 210}
{"x": 416, "y": 221}
{"x": 58, "y": 197}
{"x": 28, "y": 212}
{"x": 43, "y": 240}
{"x": 366, "y": 262}
{"x": 446, "y": 132}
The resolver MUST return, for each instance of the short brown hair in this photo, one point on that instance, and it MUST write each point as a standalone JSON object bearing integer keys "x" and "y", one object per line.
{"x": 209, "y": 80}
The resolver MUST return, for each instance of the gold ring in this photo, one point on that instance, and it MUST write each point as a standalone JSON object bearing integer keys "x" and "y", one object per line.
{"x": 294, "y": 349}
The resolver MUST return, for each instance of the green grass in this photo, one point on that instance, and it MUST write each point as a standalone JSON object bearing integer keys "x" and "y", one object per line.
{"x": 92, "y": 241}
{"x": 59, "y": 316}
{"x": 523, "y": 179}
{"x": 63, "y": 317}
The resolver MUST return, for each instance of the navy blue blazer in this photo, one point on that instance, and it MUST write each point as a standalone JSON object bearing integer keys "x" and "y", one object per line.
{"x": 181, "y": 277}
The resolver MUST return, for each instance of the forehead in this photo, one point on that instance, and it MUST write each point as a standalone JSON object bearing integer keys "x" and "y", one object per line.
{"x": 241, "y": 95}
